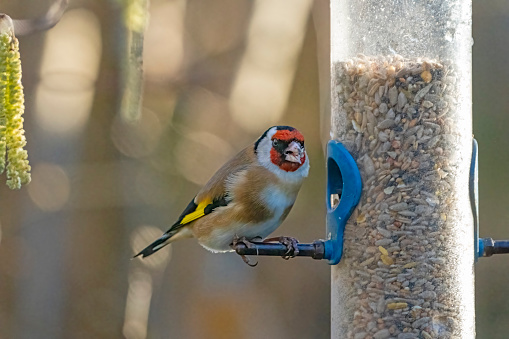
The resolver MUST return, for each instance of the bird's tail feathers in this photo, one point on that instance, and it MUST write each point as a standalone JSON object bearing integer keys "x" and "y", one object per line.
{"x": 156, "y": 245}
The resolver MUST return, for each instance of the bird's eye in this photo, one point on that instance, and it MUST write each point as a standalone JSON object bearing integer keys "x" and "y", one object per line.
{"x": 275, "y": 143}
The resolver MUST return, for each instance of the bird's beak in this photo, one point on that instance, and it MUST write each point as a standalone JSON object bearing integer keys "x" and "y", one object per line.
{"x": 293, "y": 152}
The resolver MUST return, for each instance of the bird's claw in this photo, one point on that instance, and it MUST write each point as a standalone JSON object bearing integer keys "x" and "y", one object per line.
{"x": 243, "y": 240}
{"x": 292, "y": 250}
{"x": 248, "y": 262}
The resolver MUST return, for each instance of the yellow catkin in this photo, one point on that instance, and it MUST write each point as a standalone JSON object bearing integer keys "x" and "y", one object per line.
{"x": 12, "y": 134}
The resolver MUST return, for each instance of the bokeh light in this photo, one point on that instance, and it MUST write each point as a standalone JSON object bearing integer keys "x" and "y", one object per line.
{"x": 137, "y": 305}
{"x": 263, "y": 82}
{"x": 199, "y": 154}
{"x": 162, "y": 61}
{"x": 50, "y": 187}
{"x": 69, "y": 69}
{"x": 137, "y": 140}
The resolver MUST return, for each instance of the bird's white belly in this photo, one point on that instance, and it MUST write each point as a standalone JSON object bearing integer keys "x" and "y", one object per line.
{"x": 275, "y": 199}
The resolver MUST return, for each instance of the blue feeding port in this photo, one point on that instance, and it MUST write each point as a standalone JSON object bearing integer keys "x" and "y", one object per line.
{"x": 344, "y": 188}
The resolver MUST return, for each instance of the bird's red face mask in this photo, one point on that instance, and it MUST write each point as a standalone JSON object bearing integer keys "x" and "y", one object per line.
{"x": 287, "y": 150}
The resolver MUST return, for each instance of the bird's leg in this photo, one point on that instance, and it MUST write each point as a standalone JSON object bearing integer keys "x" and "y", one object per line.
{"x": 249, "y": 244}
{"x": 292, "y": 249}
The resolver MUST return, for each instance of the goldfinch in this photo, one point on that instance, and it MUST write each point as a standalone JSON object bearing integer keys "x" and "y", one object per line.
{"x": 247, "y": 198}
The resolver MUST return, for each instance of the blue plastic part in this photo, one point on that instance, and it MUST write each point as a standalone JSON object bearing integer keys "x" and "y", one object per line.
{"x": 343, "y": 183}
{"x": 474, "y": 200}
{"x": 480, "y": 249}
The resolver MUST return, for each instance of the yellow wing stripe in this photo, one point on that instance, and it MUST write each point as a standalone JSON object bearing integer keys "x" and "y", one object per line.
{"x": 198, "y": 212}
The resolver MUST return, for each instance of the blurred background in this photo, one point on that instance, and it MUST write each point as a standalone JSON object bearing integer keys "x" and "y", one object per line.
{"x": 217, "y": 75}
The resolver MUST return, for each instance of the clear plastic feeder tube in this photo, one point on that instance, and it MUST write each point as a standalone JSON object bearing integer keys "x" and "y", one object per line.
{"x": 401, "y": 103}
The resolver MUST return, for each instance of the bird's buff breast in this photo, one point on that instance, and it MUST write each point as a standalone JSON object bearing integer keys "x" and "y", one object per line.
{"x": 221, "y": 233}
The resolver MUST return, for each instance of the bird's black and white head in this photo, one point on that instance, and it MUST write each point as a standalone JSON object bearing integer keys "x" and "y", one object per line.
{"x": 281, "y": 150}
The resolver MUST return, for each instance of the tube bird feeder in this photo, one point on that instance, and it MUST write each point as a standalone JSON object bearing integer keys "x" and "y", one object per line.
{"x": 401, "y": 104}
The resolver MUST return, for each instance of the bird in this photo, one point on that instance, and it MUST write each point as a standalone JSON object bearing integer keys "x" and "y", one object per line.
{"x": 247, "y": 198}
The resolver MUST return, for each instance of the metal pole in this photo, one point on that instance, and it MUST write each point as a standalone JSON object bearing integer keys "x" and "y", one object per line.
{"x": 401, "y": 103}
